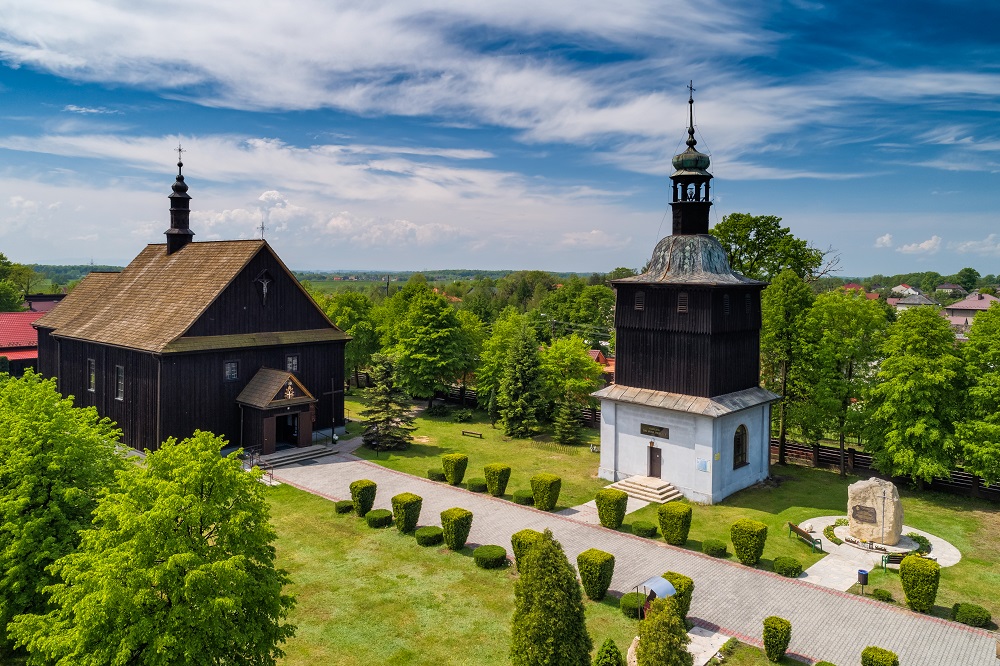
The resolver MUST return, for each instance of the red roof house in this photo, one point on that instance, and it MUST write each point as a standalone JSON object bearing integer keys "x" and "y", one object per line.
{"x": 19, "y": 340}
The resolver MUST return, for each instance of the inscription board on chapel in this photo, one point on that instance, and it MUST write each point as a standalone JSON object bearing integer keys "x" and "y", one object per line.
{"x": 864, "y": 514}
{"x": 654, "y": 431}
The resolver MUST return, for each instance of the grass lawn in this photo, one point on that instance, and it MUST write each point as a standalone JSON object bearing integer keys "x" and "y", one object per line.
{"x": 748, "y": 655}
{"x": 436, "y": 436}
{"x": 376, "y": 597}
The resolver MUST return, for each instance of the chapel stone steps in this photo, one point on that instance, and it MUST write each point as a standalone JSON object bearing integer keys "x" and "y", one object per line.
{"x": 648, "y": 489}
{"x": 292, "y": 456}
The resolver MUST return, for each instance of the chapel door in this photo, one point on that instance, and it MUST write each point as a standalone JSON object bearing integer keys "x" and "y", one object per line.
{"x": 268, "y": 428}
{"x": 655, "y": 460}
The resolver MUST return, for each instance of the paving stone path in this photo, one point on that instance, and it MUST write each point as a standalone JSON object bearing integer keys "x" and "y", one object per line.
{"x": 734, "y": 599}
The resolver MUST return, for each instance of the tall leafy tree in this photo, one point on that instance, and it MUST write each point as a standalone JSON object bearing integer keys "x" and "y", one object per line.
{"x": 760, "y": 248}
{"x": 968, "y": 278}
{"x": 548, "y": 627}
{"x": 55, "y": 461}
{"x": 493, "y": 357}
{"x": 979, "y": 431}
{"x": 11, "y": 299}
{"x": 663, "y": 636}
{"x": 351, "y": 311}
{"x": 430, "y": 348}
{"x": 844, "y": 332}
{"x": 178, "y": 568}
{"x": 567, "y": 370}
{"x": 519, "y": 394}
{"x": 916, "y": 398}
{"x": 784, "y": 306}
{"x": 388, "y": 423}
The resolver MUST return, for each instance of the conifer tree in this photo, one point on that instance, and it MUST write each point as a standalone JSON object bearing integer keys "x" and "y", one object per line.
{"x": 388, "y": 423}
{"x": 609, "y": 655}
{"x": 520, "y": 390}
{"x": 663, "y": 638}
{"x": 566, "y": 426}
{"x": 549, "y": 627}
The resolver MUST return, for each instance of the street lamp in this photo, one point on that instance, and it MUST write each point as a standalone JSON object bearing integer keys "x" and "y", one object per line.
{"x": 883, "y": 517}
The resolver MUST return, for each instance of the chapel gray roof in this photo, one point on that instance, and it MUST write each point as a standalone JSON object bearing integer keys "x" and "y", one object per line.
{"x": 716, "y": 406}
{"x": 690, "y": 259}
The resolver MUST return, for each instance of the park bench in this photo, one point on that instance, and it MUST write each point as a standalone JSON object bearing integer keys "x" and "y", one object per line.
{"x": 472, "y": 433}
{"x": 806, "y": 536}
{"x": 897, "y": 558}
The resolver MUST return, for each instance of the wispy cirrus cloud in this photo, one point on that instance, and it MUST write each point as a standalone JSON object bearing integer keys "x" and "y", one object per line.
{"x": 885, "y": 240}
{"x": 90, "y": 110}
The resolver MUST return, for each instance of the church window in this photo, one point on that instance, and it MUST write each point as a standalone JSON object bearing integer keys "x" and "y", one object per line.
{"x": 682, "y": 302}
{"x": 91, "y": 375}
{"x": 747, "y": 303}
{"x": 292, "y": 362}
{"x": 725, "y": 304}
{"x": 640, "y": 300}
{"x": 231, "y": 371}
{"x": 119, "y": 382}
{"x": 740, "y": 447}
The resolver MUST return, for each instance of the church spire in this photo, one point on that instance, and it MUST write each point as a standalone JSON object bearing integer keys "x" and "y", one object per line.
{"x": 179, "y": 234}
{"x": 691, "y": 197}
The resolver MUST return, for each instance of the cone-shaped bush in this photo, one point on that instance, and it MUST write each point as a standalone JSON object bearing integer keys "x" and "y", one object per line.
{"x": 406, "y": 511}
{"x": 920, "y": 577}
{"x": 520, "y": 542}
{"x": 363, "y": 496}
{"x": 456, "y": 524}
{"x": 675, "y": 522}
{"x": 777, "y": 635}
{"x": 545, "y": 490}
{"x": 497, "y": 476}
{"x": 876, "y": 656}
{"x": 748, "y": 540}
{"x": 685, "y": 590}
{"x": 454, "y": 465}
{"x": 609, "y": 655}
{"x": 548, "y": 626}
{"x": 611, "y": 506}
{"x": 596, "y": 568}
{"x": 663, "y": 637}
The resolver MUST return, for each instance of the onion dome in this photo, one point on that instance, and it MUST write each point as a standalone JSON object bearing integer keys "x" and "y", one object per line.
{"x": 690, "y": 259}
{"x": 691, "y": 161}
{"x": 179, "y": 186}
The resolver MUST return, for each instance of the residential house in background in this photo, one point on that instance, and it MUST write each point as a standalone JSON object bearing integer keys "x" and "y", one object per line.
{"x": 905, "y": 290}
{"x": 19, "y": 341}
{"x": 914, "y": 301}
{"x": 951, "y": 289}
{"x": 961, "y": 314}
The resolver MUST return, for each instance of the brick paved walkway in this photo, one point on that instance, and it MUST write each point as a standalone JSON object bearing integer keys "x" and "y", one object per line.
{"x": 826, "y": 624}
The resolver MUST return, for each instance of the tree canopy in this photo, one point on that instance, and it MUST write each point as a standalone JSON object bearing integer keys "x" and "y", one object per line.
{"x": 663, "y": 637}
{"x": 430, "y": 346}
{"x": 979, "y": 431}
{"x": 760, "y": 248}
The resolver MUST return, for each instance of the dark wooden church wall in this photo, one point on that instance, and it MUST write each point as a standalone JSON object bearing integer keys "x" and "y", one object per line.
{"x": 662, "y": 361}
{"x": 48, "y": 353}
{"x": 735, "y": 362}
{"x": 240, "y": 308}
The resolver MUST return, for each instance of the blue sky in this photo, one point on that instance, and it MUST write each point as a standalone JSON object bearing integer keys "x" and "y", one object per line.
{"x": 508, "y": 134}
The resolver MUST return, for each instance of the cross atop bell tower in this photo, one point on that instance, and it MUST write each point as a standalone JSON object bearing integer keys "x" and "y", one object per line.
{"x": 179, "y": 234}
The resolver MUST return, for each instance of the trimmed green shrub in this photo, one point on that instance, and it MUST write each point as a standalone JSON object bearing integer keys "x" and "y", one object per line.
{"x": 431, "y": 535}
{"x": 876, "y": 656}
{"x": 685, "y": 590}
{"x": 923, "y": 543}
{"x": 462, "y": 415}
{"x": 524, "y": 497}
{"x": 920, "y": 578}
{"x": 663, "y": 637}
{"x": 406, "y": 511}
{"x": 363, "y": 496}
{"x": 344, "y": 506}
{"x": 520, "y": 542}
{"x": 789, "y": 567}
{"x": 971, "y": 614}
{"x": 439, "y": 409}
{"x": 729, "y": 647}
{"x": 714, "y": 547}
{"x": 490, "y": 557}
{"x": 777, "y": 634}
{"x": 497, "y": 476}
{"x": 830, "y": 536}
{"x": 436, "y": 474}
{"x": 611, "y": 506}
{"x": 609, "y": 655}
{"x": 456, "y": 523}
{"x": 476, "y": 485}
{"x": 748, "y": 540}
{"x": 454, "y": 465}
{"x": 545, "y": 489}
{"x": 378, "y": 518}
{"x": 631, "y": 604}
{"x": 675, "y": 522}
{"x": 882, "y": 595}
{"x": 644, "y": 528}
{"x": 824, "y": 663}
{"x": 596, "y": 568}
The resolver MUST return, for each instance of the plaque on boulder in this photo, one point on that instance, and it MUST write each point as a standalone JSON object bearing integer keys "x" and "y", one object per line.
{"x": 875, "y": 510}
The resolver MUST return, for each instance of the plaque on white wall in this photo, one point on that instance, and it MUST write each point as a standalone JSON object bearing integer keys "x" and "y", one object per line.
{"x": 654, "y": 431}
{"x": 702, "y": 465}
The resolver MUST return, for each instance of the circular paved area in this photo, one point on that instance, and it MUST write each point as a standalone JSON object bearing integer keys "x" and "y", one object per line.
{"x": 731, "y": 598}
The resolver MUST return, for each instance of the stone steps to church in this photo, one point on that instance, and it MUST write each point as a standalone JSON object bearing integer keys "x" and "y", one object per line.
{"x": 648, "y": 489}
{"x": 292, "y": 456}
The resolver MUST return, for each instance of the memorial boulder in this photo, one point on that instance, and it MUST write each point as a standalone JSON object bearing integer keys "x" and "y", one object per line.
{"x": 866, "y": 501}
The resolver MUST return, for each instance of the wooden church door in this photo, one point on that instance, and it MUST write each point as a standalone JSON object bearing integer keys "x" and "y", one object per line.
{"x": 655, "y": 460}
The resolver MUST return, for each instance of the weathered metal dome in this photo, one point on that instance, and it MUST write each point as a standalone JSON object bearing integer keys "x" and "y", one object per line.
{"x": 690, "y": 259}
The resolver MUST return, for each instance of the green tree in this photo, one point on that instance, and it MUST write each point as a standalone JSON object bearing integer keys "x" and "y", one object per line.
{"x": 760, "y": 248}
{"x": 351, "y": 311}
{"x": 566, "y": 424}
{"x": 430, "y": 348}
{"x": 178, "y": 568}
{"x": 663, "y": 637}
{"x": 388, "y": 423}
{"x": 844, "y": 331}
{"x": 472, "y": 335}
{"x": 916, "y": 398}
{"x": 619, "y": 273}
{"x": 609, "y": 655}
{"x": 548, "y": 627}
{"x": 979, "y": 432}
{"x": 55, "y": 461}
{"x": 784, "y": 306}
{"x": 11, "y": 299}
{"x": 519, "y": 394}
{"x": 493, "y": 357}
{"x": 968, "y": 278}
{"x": 568, "y": 370}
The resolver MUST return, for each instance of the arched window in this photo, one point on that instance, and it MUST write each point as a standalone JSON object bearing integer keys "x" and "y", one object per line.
{"x": 740, "y": 447}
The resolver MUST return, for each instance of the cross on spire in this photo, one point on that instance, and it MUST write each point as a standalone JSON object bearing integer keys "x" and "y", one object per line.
{"x": 261, "y": 228}
{"x": 691, "y": 140}
{"x": 180, "y": 151}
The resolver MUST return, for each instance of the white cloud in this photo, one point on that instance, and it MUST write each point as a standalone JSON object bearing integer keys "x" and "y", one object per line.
{"x": 884, "y": 240}
{"x": 90, "y": 110}
{"x": 929, "y": 246}
{"x": 989, "y": 246}
{"x": 593, "y": 239}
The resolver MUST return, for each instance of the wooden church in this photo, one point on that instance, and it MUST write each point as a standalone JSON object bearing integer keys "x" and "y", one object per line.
{"x": 215, "y": 336}
{"x": 686, "y": 407}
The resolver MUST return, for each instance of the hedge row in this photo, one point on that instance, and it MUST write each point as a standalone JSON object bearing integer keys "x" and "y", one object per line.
{"x": 596, "y": 568}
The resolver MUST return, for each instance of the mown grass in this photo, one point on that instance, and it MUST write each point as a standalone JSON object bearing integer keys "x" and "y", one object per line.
{"x": 748, "y": 655}
{"x": 436, "y": 436}
{"x": 376, "y": 597}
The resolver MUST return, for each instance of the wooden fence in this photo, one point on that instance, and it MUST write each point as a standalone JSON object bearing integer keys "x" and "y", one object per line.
{"x": 858, "y": 462}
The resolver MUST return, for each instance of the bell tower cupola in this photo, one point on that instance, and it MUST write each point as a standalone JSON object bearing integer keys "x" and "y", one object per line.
{"x": 691, "y": 183}
{"x": 179, "y": 234}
